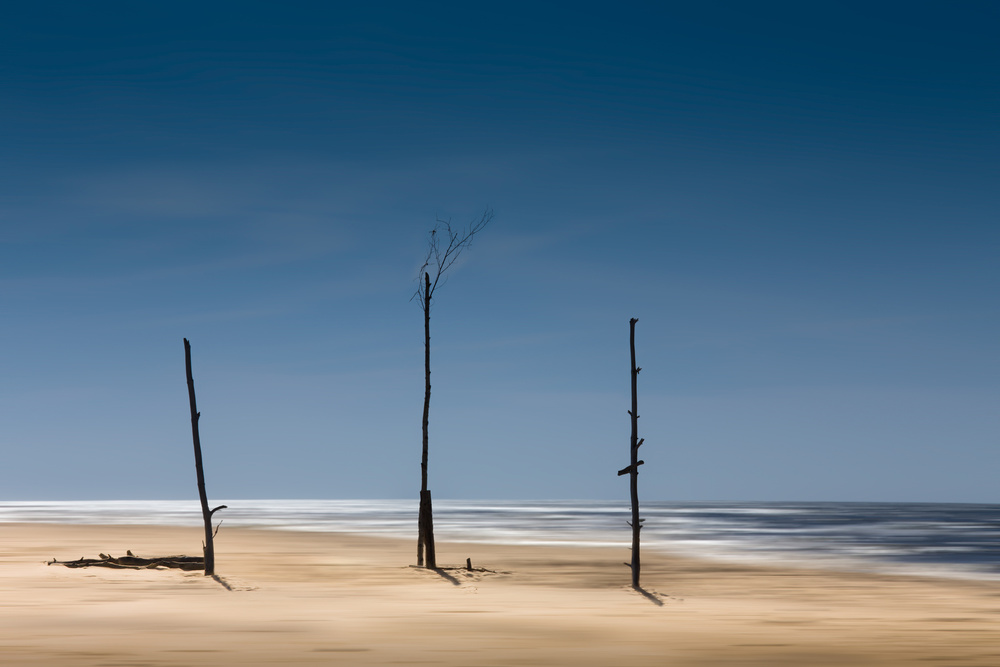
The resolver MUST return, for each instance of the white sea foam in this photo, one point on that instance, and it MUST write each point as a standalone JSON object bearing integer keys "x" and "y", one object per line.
{"x": 940, "y": 539}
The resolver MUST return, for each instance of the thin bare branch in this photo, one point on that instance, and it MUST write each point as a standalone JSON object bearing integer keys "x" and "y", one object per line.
{"x": 444, "y": 247}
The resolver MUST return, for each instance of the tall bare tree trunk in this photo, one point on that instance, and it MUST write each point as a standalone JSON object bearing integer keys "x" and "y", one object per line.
{"x": 633, "y": 468}
{"x": 443, "y": 248}
{"x": 425, "y": 528}
{"x": 206, "y": 514}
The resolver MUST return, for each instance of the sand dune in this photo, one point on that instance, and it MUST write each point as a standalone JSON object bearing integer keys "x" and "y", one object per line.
{"x": 335, "y": 599}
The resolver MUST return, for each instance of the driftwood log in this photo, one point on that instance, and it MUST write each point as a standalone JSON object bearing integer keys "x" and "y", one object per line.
{"x": 131, "y": 562}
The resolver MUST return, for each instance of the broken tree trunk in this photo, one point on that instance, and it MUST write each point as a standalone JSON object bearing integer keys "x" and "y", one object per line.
{"x": 633, "y": 468}
{"x": 425, "y": 521}
{"x": 206, "y": 514}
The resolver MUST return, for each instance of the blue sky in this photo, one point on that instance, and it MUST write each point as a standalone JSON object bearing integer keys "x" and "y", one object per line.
{"x": 799, "y": 202}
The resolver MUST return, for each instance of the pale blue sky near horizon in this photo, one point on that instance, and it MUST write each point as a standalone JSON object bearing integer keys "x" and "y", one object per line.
{"x": 800, "y": 204}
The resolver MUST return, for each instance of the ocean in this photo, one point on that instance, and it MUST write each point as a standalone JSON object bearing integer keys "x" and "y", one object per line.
{"x": 927, "y": 539}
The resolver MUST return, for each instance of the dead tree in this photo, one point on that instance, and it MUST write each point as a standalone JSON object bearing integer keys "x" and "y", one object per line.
{"x": 208, "y": 546}
{"x": 633, "y": 468}
{"x": 443, "y": 248}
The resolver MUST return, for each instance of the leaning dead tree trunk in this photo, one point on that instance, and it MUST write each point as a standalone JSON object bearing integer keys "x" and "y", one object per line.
{"x": 633, "y": 468}
{"x": 206, "y": 514}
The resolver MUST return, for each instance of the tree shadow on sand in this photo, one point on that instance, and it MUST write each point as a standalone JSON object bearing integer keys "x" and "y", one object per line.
{"x": 468, "y": 573}
{"x": 444, "y": 575}
{"x": 651, "y": 596}
{"x": 440, "y": 572}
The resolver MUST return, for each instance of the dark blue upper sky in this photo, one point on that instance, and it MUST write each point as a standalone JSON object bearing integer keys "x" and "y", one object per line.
{"x": 800, "y": 203}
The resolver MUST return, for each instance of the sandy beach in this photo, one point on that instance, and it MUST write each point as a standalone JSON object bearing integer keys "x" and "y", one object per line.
{"x": 336, "y": 599}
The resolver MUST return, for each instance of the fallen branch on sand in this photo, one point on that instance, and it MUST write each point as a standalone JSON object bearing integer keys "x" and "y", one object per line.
{"x": 131, "y": 562}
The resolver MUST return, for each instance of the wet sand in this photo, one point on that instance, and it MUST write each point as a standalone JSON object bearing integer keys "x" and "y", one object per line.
{"x": 336, "y": 599}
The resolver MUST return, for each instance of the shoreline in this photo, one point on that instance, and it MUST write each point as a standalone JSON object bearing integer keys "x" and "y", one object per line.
{"x": 951, "y": 540}
{"x": 348, "y": 599}
{"x": 814, "y": 563}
